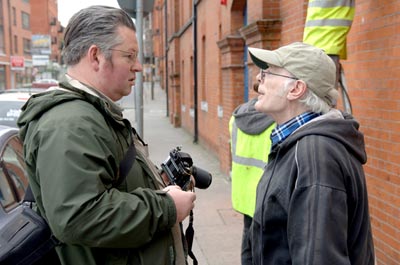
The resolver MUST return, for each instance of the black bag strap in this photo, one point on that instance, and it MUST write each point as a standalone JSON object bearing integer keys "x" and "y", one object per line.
{"x": 29, "y": 195}
{"x": 126, "y": 164}
{"x": 48, "y": 245}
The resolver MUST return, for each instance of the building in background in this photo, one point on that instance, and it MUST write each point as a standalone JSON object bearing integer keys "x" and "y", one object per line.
{"x": 200, "y": 49}
{"x": 15, "y": 44}
{"x": 47, "y": 35}
{"x": 30, "y": 41}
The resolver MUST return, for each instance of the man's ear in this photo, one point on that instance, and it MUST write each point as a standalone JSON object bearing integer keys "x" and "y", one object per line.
{"x": 297, "y": 90}
{"x": 93, "y": 56}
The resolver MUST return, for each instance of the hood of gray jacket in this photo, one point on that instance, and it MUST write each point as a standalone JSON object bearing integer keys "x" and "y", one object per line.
{"x": 249, "y": 120}
{"x": 336, "y": 125}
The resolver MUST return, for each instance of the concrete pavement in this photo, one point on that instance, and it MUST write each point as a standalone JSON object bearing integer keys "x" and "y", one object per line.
{"x": 218, "y": 228}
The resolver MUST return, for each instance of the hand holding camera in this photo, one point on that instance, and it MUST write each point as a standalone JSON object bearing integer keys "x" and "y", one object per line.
{"x": 179, "y": 169}
{"x": 184, "y": 201}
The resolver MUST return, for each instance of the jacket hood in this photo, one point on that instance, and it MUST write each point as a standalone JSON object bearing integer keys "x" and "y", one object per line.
{"x": 249, "y": 120}
{"x": 40, "y": 103}
{"x": 336, "y": 125}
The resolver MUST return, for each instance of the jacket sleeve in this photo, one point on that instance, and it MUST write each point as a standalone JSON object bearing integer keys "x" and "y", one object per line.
{"x": 75, "y": 157}
{"x": 317, "y": 215}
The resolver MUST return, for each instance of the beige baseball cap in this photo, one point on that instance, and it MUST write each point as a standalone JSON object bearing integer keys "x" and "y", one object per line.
{"x": 304, "y": 61}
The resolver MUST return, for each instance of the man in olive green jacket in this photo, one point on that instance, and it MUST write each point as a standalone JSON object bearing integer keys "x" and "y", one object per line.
{"x": 74, "y": 140}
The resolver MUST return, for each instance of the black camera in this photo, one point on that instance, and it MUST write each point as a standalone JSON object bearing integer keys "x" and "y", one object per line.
{"x": 179, "y": 167}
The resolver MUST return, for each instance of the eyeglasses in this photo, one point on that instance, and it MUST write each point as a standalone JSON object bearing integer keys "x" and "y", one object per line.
{"x": 132, "y": 56}
{"x": 263, "y": 73}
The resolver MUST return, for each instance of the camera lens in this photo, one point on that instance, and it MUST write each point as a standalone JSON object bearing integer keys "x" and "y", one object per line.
{"x": 203, "y": 178}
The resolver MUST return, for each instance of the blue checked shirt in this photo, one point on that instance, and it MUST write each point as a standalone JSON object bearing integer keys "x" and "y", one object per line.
{"x": 281, "y": 132}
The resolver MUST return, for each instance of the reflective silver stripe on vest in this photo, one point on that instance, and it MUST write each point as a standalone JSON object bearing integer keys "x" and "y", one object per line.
{"x": 246, "y": 161}
{"x": 336, "y": 3}
{"x": 329, "y": 22}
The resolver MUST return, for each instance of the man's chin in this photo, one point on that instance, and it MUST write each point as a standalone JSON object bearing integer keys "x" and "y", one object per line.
{"x": 128, "y": 91}
{"x": 257, "y": 105}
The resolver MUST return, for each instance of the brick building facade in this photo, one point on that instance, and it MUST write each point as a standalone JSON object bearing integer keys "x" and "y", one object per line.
{"x": 201, "y": 50}
{"x": 20, "y": 22}
{"x": 44, "y": 21}
{"x": 15, "y": 42}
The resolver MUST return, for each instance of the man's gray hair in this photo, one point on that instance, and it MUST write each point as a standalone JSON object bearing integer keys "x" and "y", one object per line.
{"x": 94, "y": 25}
{"x": 310, "y": 100}
{"x": 315, "y": 103}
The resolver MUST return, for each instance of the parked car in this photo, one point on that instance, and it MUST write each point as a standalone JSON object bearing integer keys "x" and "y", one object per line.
{"x": 13, "y": 176}
{"x": 11, "y": 102}
{"x": 44, "y": 83}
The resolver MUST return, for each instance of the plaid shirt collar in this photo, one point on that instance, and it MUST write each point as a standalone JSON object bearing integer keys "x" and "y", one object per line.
{"x": 281, "y": 132}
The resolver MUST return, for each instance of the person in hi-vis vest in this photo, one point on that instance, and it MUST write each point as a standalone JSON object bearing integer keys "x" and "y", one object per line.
{"x": 327, "y": 25}
{"x": 250, "y": 144}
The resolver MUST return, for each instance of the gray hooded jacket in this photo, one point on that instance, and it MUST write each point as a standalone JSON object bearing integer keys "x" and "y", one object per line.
{"x": 312, "y": 203}
{"x": 249, "y": 120}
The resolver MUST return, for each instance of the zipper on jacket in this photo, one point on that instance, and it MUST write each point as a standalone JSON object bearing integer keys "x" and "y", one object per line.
{"x": 262, "y": 205}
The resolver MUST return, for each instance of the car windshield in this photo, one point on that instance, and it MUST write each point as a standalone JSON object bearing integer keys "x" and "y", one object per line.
{"x": 9, "y": 112}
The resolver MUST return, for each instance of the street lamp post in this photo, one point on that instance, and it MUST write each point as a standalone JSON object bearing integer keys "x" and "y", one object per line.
{"x": 136, "y": 9}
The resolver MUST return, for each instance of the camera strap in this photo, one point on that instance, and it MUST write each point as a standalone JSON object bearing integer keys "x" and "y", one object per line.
{"x": 189, "y": 234}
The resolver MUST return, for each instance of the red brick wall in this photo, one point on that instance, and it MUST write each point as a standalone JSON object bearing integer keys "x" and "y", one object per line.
{"x": 209, "y": 70}
{"x": 372, "y": 75}
{"x": 372, "y": 72}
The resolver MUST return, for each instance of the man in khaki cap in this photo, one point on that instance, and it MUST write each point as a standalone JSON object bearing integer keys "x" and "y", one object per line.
{"x": 312, "y": 202}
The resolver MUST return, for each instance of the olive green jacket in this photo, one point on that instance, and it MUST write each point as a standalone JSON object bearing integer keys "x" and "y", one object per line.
{"x": 73, "y": 144}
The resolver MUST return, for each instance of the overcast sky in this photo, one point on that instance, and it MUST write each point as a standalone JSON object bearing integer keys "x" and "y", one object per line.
{"x": 66, "y": 8}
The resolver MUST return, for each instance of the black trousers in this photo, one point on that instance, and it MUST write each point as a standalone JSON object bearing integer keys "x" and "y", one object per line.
{"x": 246, "y": 249}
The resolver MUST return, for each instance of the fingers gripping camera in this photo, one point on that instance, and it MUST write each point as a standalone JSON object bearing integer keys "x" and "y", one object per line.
{"x": 179, "y": 167}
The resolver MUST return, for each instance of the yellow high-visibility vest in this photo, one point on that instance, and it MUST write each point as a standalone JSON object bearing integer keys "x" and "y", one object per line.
{"x": 327, "y": 25}
{"x": 249, "y": 158}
